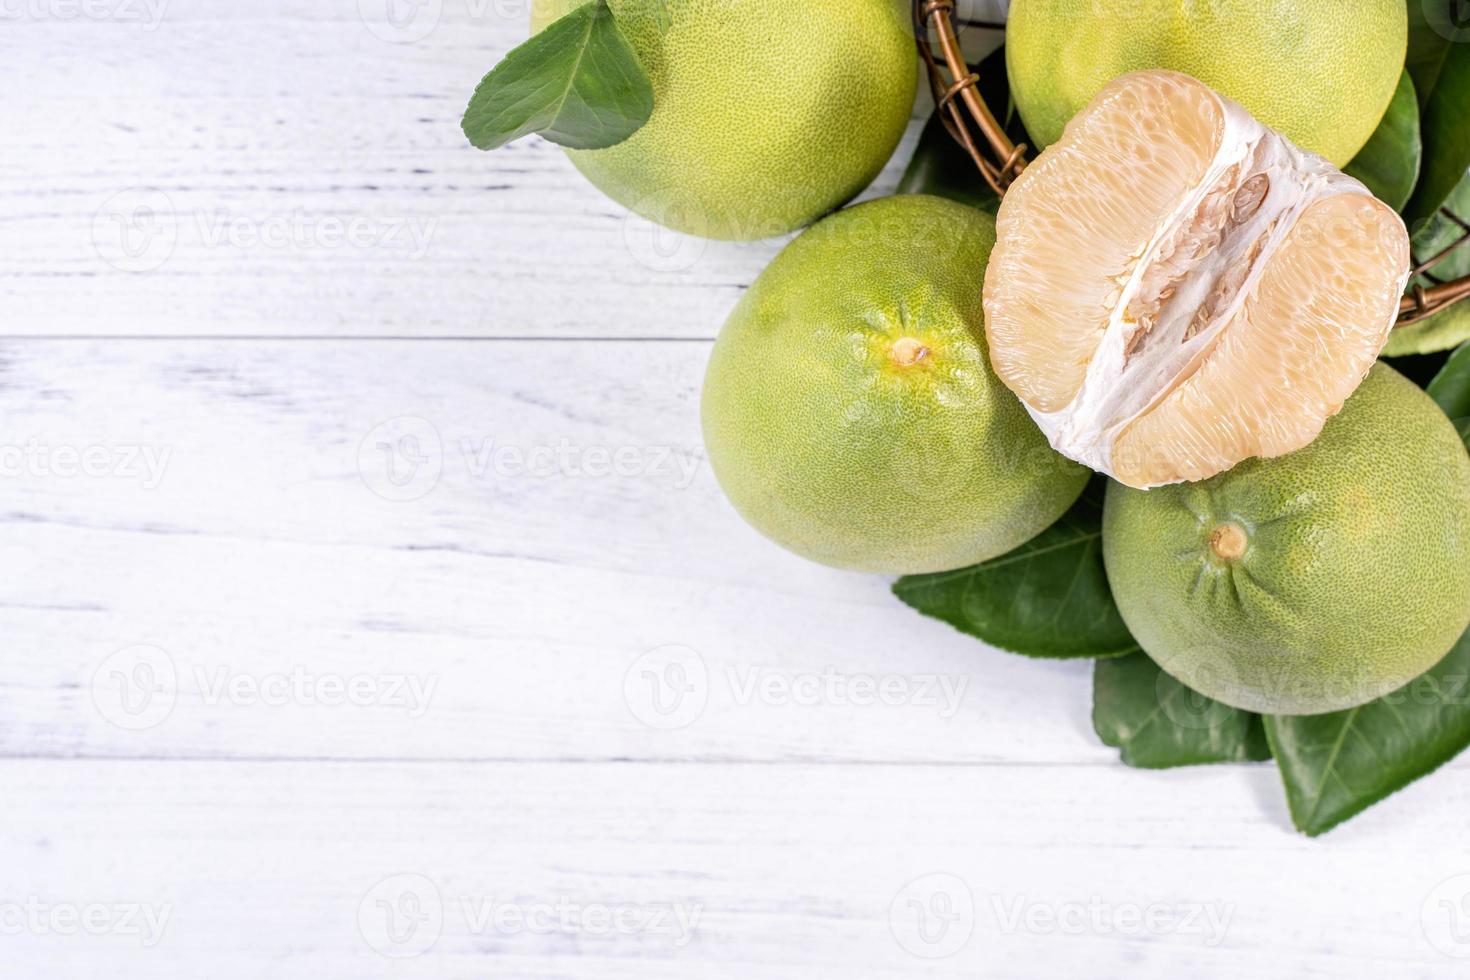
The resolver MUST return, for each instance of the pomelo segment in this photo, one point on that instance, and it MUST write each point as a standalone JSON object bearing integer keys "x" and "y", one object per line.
{"x": 1176, "y": 288}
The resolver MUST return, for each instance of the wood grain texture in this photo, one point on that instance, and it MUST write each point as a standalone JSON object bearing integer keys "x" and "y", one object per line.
{"x": 266, "y": 549}
{"x": 520, "y": 572}
{"x": 301, "y": 631}
{"x": 781, "y": 871}
{"x": 284, "y": 170}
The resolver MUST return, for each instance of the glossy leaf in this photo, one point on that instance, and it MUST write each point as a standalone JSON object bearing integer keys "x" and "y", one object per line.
{"x": 1158, "y": 723}
{"x": 1436, "y": 334}
{"x": 1427, "y": 46}
{"x": 1449, "y": 327}
{"x": 1047, "y": 598}
{"x": 1442, "y": 231}
{"x": 1389, "y": 162}
{"x": 1446, "y": 137}
{"x": 1334, "y": 766}
{"x": 1451, "y": 387}
{"x": 577, "y": 83}
{"x": 941, "y": 167}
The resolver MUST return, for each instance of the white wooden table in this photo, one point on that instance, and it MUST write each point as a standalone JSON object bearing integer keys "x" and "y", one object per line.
{"x": 371, "y": 611}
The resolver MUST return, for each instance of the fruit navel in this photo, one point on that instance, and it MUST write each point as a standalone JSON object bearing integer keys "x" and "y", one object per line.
{"x": 858, "y": 437}
{"x": 1295, "y": 596}
{"x": 906, "y": 352}
{"x": 1228, "y": 541}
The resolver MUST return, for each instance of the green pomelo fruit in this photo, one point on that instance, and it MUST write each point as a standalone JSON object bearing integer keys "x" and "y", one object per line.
{"x": 1312, "y": 582}
{"x": 767, "y": 113}
{"x": 850, "y": 410}
{"x": 1321, "y": 72}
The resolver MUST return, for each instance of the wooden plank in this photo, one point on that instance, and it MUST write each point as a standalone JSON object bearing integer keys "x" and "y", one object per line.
{"x": 285, "y": 171}
{"x": 291, "y": 535}
{"x": 561, "y": 530}
{"x": 291, "y": 870}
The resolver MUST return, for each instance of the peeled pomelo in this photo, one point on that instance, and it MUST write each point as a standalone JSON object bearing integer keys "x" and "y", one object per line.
{"x": 767, "y": 114}
{"x": 1310, "y": 583}
{"x": 1322, "y": 72}
{"x": 850, "y": 411}
{"x": 1176, "y": 288}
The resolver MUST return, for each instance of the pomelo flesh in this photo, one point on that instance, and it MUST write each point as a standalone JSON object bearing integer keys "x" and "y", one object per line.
{"x": 1176, "y": 288}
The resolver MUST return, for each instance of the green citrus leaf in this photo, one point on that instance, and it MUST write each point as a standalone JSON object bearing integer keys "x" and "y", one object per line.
{"x": 1334, "y": 766}
{"x": 1389, "y": 162}
{"x": 1047, "y": 598}
{"x": 1427, "y": 46}
{"x": 1442, "y": 231}
{"x": 1437, "y": 333}
{"x": 577, "y": 83}
{"x": 1158, "y": 723}
{"x": 1451, "y": 387}
{"x": 1445, "y": 135}
{"x": 940, "y": 166}
{"x": 1452, "y": 326}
